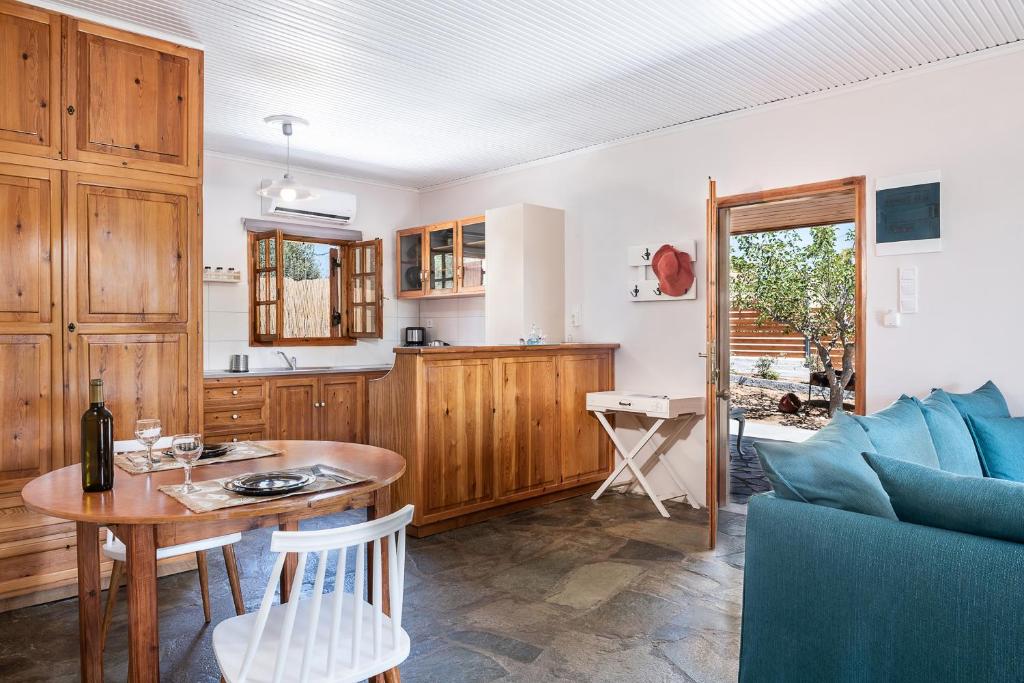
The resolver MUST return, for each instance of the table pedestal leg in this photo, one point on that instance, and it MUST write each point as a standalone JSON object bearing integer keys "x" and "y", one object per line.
{"x": 291, "y": 562}
{"x": 90, "y": 649}
{"x": 381, "y": 508}
{"x": 143, "y": 632}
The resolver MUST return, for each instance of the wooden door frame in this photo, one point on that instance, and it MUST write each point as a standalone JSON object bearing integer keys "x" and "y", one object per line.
{"x": 715, "y": 206}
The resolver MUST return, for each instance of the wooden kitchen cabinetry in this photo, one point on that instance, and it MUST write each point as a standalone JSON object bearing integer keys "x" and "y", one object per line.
{"x": 488, "y": 430}
{"x": 132, "y": 101}
{"x": 100, "y": 255}
{"x": 328, "y": 407}
{"x": 30, "y": 62}
{"x": 442, "y": 259}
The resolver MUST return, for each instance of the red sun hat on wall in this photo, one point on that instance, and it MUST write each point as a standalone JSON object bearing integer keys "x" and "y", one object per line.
{"x": 674, "y": 270}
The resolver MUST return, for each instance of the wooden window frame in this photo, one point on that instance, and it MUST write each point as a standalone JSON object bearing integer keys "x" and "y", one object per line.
{"x": 341, "y": 334}
{"x": 351, "y": 275}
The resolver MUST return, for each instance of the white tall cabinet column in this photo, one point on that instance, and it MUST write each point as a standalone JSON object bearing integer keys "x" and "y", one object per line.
{"x": 525, "y": 273}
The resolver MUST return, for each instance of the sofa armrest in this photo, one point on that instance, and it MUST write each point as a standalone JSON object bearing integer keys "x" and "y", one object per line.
{"x": 830, "y": 595}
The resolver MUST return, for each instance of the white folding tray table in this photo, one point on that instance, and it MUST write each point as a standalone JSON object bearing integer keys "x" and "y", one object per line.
{"x": 683, "y": 410}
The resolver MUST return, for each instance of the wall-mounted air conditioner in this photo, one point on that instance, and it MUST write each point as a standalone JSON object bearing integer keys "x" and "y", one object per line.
{"x": 327, "y": 207}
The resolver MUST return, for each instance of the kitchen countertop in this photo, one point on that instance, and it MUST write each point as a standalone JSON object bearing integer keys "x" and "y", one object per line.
{"x": 501, "y": 347}
{"x": 301, "y": 370}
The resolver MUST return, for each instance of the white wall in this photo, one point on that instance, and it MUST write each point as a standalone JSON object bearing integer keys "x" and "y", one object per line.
{"x": 965, "y": 119}
{"x": 229, "y": 194}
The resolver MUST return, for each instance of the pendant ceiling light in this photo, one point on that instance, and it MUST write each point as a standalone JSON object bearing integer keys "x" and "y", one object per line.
{"x": 287, "y": 188}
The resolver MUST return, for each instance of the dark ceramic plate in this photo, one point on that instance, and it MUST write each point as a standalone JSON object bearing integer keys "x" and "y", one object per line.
{"x": 269, "y": 483}
{"x": 213, "y": 450}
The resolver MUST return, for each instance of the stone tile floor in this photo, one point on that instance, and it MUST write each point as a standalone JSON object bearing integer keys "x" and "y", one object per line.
{"x": 574, "y": 591}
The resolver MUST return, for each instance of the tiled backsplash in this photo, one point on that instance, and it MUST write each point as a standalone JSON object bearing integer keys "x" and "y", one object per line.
{"x": 458, "y": 321}
{"x": 226, "y": 331}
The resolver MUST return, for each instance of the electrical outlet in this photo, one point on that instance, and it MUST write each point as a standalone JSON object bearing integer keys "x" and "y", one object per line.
{"x": 428, "y": 323}
{"x": 576, "y": 316}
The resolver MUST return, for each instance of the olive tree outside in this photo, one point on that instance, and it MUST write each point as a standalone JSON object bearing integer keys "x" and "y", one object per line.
{"x": 807, "y": 283}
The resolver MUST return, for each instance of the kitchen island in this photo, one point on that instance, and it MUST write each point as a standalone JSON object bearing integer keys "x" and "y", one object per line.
{"x": 487, "y": 430}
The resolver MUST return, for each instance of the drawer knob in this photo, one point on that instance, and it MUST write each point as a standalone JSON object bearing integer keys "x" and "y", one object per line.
{"x": 235, "y": 416}
{"x": 234, "y": 438}
{"x": 234, "y": 392}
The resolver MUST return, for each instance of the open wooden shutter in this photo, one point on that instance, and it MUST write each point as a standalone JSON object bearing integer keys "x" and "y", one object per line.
{"x": 363, "y": 303}
{"x": 266, "y": 286}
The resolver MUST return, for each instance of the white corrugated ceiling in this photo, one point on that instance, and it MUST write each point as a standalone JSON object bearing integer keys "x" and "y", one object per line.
{"x": 420, "y": 93}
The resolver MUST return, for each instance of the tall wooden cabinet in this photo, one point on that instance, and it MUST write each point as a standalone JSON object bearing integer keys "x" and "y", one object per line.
{"x": 100, "y": 250}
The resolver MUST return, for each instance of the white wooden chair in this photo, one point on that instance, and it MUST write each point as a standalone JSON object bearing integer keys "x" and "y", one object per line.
{"x": 339, "y": 638}
{"x": 115, "y": 550}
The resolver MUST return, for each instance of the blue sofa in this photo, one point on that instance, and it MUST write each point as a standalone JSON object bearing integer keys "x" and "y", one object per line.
{"x": 830, "y": 595}
{"x": 834, "y": 595}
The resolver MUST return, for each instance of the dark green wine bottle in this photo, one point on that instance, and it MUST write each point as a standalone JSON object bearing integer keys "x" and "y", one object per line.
{"x": 97, "y": 442}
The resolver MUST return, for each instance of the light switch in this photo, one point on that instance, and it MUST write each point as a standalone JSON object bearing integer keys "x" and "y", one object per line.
{"x": 908, "y": 289}
{"x": 891, "y": 319}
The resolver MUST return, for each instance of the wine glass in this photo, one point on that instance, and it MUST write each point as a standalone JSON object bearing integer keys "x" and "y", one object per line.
{"x": 147, "y": 431}
{"x": 187, "y": 448}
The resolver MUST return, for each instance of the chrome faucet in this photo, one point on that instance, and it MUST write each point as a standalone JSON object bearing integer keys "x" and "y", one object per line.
{"x": 290, "y": 361}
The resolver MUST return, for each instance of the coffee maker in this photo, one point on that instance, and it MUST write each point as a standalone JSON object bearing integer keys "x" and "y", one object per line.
{"x": 415, "y": 336}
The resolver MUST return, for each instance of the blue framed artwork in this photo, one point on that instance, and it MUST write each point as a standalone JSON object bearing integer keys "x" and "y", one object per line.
{"x": 907, "y": 215}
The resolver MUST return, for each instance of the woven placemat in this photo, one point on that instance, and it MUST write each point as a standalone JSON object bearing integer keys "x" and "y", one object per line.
{"x": 211, "y": 494}
{"x": 137, "y": 463}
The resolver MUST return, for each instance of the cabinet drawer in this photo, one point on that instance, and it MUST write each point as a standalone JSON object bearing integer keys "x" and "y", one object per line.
{"x": 228, "y": 394}
{"x": 257, "y": 434}
{"x": 231, "y": 417}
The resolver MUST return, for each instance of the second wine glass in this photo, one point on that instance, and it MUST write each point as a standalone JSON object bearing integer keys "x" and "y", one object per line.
{"x": 148, "y": 431}
{"x": 187, "y": 448}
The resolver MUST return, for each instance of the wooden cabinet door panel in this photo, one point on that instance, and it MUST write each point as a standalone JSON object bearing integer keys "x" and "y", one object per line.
{"x": 144, "y": 375}
{"x": 26, "y": 383}
{"x": 293, "y": 414}
{"x": 132, "y": 101}
{"x": 527, "y": 424}
{"x": 459, "y": 462}
{"x": 29, "y": 243}
{"x": 129, "y": 250}
{"x": 585, "y": 449}
{"x": 30, "y": 75}
{"x": 343, "y": 415}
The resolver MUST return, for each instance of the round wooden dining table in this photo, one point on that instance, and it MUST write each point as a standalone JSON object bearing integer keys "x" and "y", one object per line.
{"x": 145, "y": 519}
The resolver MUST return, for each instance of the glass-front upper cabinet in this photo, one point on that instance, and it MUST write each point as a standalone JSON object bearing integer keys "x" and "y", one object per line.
{"x": 410, "y": 263}
{"x": 472, "y": 267}
{"x": 441, "y": 258}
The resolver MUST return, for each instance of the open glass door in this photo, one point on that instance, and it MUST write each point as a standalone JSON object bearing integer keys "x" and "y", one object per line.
{"x": 711, "y": 355}
{"x": 717, "y": 354}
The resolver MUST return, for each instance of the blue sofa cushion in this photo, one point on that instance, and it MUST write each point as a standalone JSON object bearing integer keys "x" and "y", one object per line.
{"x": 827, "y": 469}
{"x": 1001, "y": 446}
{"x": 900, "y": 431}
{"x": 985, "y": 401}
{"x": 973, "y": 505}
{"x": 952, "y": 439}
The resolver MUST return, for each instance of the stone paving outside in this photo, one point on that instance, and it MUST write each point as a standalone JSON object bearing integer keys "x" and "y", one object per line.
{"x": 745, "y": 474}
{"x": 575, "y": 591}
